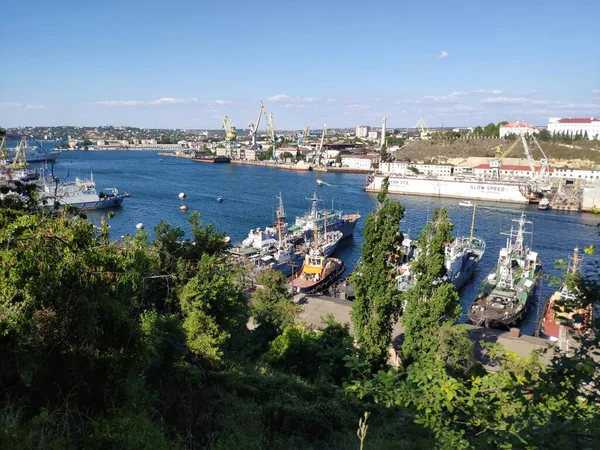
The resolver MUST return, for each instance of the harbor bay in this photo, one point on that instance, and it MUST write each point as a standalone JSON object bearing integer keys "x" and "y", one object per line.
{"x": 249, "y": 201}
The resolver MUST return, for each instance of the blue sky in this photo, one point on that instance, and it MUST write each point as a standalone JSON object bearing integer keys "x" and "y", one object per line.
{"x": 186, "y": 64}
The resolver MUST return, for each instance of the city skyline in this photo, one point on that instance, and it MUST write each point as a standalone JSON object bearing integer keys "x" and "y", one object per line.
{"x": 341, "y": 63}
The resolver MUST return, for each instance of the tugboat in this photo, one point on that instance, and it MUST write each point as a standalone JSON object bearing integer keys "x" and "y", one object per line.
{"x": 574, "y": 318}
{"x": 463, "y": 256}
{"x": 505, "y": 293}
{"x": 318, "y": 273}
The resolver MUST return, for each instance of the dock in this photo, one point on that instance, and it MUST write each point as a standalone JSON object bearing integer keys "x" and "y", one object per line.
{"x": 316, "y": 307}
{"x": 176, "y": 155}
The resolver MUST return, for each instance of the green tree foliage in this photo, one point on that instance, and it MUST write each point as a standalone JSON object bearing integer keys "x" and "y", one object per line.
{"x": 377, "y": 304}
{"x": 338, "y": 158}
{"x": 313, "y": 354}
{"x": 272, "y": 307}
{"x": 429, "y": 302}
{"x": 287, "y": 156}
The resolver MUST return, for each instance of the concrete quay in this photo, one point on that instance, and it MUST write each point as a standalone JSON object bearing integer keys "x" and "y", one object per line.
{"x": 315, "y": 307}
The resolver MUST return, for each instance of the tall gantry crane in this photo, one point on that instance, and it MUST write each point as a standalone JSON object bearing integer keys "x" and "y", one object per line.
{"x": 319, "y": 152}
{"x": 230, "y": 130}
{"x": 304, "y": 139}
{"x": 19, "y": 161}
{"x": 3, "y": 151}
{"x": 271, "y": 126}
{"x": 254, "y": 126}
{"x": 421, "y": 125}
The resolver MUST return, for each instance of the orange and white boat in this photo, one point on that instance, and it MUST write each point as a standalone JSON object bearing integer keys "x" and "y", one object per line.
{"x": 318, "y": 273}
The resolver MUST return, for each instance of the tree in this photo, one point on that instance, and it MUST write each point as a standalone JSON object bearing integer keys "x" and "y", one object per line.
{"x": 430, "y": 302}
{"x": 271, "y": 305}
{"x": 544, "y": 135}
{"x": 338, "y": 159}
{"x": 377, "y": 304}
{"x": 287, "y": 156}
{"x": 491, "y": 130}
{"x": 478, "y": 131}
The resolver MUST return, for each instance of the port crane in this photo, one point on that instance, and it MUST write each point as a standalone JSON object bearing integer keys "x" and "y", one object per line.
{"x": 304, "y": 139}
{"x": 19, "y": 161}
{"x": 254, "y": 126}
{"x": 421, "y": 125}
{"x": 271, "y": 127}
{"x": 319, "y": 153}
{"x": 3, "y": 151}
{"x": 230, "y": 130}
{"x": 539, "y": 180}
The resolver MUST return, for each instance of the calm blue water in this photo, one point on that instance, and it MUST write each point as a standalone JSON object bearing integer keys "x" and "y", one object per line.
{"x": 249, "y": 202}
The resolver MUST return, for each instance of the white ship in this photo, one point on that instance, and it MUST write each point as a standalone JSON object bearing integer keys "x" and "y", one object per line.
{"x": 454, "y": 187}
{"x": 32, "y": 154}
{"x": 81, "y": 194}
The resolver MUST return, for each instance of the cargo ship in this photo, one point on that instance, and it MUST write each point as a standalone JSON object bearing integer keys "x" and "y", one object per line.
{"x": 209, "y": 158}
{"x": 505, "y": 294}
{"x": 454, "y": 187}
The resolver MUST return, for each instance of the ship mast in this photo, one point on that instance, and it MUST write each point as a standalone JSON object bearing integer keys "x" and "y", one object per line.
{"x": 472, "y": 225}
{"x": 280, "y": 218}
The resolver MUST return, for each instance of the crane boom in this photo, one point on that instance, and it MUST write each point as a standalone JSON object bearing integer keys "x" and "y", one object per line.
{"x": 230, "y": 130}
{"x": 528, "y": 155}
{"x": 254, "y": 126}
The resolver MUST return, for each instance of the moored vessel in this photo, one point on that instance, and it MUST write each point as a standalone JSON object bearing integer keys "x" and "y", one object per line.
{"x": 318, "y": 273}
{"x": 463, "y": 256}
{"x": 453, "y": 187}
{"x": 505, "y": 294}
{"x": 32, "y": 154}
{"x": 564, "y": 312}
{"x": 322, "y": 220}
{"x": 80, "y": 193}
{"x": 544, "y": 203}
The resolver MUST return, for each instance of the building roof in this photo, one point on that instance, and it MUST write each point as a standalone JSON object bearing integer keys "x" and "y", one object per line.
{"x": 579, "y": 120}
{"x": 513, "y": 167}
{"x": 517, "y": 124}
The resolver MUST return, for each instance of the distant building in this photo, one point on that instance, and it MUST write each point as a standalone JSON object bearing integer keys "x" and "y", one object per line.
{"x": 373, "y": 135}
{"x": 517, "y": 128}
{"x": 362, "y": 131}
{"x": 575, "y": 125}
{"x": 361, "y": 162}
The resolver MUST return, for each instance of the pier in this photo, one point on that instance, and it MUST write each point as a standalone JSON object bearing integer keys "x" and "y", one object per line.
{"x": 315, "y": 307}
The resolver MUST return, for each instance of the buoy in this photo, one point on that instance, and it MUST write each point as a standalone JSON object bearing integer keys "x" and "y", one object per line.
{"x": 140, "y": 226}
{"x": 182, "y": 195}
{"x": 183, "y": 208}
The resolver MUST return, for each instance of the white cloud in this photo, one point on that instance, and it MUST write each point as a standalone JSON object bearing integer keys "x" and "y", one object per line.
{"x": 514, "y": 101}
{"x": 173, "y": 101}
{"x": 11, "y": 104}
{"x": 486, "y": 91}
{"x": 222, "y": 102}
{"x": 119, "y": 102}
{"x": 288, "y": 99}
{"x": 595, "y": 91}
{"x": 36, "y": 106}
{"x": 443, "y": 54}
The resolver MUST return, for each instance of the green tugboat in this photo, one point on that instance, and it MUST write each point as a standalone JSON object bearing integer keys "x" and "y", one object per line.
{"x": 505, "y": 293}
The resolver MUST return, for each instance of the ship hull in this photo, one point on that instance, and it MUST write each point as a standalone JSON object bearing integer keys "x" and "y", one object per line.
{"x": 322, "y": 285}
{"x": 37, "y": 157}
{"x": 217, "y": 160}
{"x": 465, "y": 274}
{"x": 452, "y": 188}
{"x": 93, "y": 205}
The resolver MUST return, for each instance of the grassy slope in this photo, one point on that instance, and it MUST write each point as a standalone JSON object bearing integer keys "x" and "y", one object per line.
{"x": 442, "y": 150}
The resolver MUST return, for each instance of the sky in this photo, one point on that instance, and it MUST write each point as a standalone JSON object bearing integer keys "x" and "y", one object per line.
{"x": 187, "y": 64}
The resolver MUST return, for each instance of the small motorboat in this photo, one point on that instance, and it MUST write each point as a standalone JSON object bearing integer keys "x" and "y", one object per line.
{"x": 219, "y": 199}
{"x": 320, "y": 182}
{"x": 544, "y": 203}
{"x": 466, "y": 203}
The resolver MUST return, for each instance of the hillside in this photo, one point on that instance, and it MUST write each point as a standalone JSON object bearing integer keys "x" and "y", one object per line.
{"x": 580, "y": 153}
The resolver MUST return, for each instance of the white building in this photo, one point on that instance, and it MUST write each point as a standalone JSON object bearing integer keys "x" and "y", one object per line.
{"x": 586, "y": 175}
{"x": 362, "y": 131}
{"x": 574, "y": 126}
{"x": 373, "y": 135}
{"x": 360, "y": 162}
{"x": 517, "y": 128}
{"x": 398, "y": 167}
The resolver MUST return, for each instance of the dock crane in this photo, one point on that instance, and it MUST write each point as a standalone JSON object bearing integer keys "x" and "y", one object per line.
{"x": 304, "y": 139}
{"x": 319, "y": 153}
{"x": 425, "y": 134}
{"x": 19, "y": 161}
{"x": 271, "y": 128}
{"x": 230, "y": 130}
{"x": 254, "y": 126}
{"x": 3, "y": 151}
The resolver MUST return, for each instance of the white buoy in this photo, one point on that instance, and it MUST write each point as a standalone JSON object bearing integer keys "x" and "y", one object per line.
{"x": 140, "y": 226}
{"x": 183, "y": 208}
{"x": 182, "y": 195}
